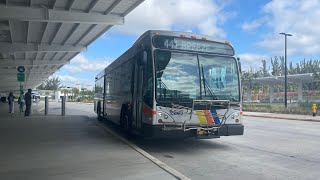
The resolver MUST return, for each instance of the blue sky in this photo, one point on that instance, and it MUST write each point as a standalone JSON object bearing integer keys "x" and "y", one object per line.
{"x": 251, "y": 26}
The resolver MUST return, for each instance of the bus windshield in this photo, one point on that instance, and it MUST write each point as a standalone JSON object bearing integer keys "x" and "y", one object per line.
{"x": 184, "y": 77}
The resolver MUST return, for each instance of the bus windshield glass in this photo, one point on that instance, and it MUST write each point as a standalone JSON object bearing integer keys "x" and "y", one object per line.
{"x": 184, "y": 77}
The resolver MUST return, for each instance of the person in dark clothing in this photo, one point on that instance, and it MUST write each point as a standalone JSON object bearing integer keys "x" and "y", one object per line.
{"x": 28, "y": 99}
{"x": 11, "y": 102}
{"x": 21, "y": 101}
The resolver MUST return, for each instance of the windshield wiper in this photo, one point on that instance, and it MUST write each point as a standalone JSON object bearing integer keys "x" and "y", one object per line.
{"x": 206, "y": 86}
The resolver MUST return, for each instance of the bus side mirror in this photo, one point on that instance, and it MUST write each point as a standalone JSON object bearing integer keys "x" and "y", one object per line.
{"x": 143, "y": 58}
{"x": 239, "y": 64}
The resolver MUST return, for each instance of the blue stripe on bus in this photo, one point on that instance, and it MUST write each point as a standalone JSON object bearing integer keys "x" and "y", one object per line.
{"x": 215, "y": 116}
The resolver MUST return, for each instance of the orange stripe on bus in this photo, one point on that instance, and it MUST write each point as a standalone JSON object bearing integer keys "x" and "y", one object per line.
{"x": 208, "y": 115}
{"x": 147, "y": 110}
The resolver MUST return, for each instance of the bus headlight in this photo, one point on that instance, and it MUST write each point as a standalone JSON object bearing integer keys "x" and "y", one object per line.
{"x": 163, "y": 117}
{"x": 234, "y": 118}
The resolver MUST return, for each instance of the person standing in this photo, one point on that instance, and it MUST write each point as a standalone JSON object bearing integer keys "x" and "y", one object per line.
{"x": 11, "y": 102}
{"x": 28, "y": 99}
{"x": 21, "y": 101}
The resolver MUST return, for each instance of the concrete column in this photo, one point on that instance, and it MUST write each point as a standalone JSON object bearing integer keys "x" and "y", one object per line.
{"x": 63, "y": 106}
{"x": 271, "y": 87}
{"x": 46, "y": 105}
{"x": 300, "y": 91}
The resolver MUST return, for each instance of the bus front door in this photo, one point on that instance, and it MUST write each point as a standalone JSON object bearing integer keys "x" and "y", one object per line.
{"x": 137, "y": 96}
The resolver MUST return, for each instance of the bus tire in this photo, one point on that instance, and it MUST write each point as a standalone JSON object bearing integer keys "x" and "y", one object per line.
{"x": 99, "y": 111}
{"x": 124, "y": 119}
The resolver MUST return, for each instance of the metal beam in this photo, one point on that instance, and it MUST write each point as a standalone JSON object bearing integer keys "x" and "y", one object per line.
{"x": 75, "y": 27}
{"x": 112, "y": 6}
{"x": 24, "y": 62}
{"x": 85, "y": 34}
{"x": 11, "y": 31}
{"x": 70, "y": 4}
{"x": 56, "y": 33}
{"x": 34, "y": 47}
{"x": 51, "y": 15}
{"x": 92, "y": 6}
{"x": 132, "y": 7}
{"x": 32, "y": 71}
{"x": 28, "y": 30}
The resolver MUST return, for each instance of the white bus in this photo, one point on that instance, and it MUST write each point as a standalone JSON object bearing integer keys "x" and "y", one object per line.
{"x": 173, "y": 84}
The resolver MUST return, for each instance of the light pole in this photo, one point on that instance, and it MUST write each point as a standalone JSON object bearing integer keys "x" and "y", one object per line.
{"x": 285, "y": 68}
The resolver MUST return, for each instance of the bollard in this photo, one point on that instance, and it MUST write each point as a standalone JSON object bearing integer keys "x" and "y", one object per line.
{"x": 314, "y": 109}
{"x": 63, "y": 106}
{"x": 46, "y": 105}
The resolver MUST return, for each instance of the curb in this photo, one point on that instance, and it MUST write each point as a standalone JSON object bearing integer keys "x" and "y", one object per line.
{"x": 286, "y": 118}
{"x": 156, "y": 161}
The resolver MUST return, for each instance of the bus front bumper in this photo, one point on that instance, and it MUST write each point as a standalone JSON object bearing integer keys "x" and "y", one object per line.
{"x": 224, "y": 130}
{"x": 231, "y": 130}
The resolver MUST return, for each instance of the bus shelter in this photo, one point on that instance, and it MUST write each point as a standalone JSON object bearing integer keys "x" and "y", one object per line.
{"x": 271, "y": 82}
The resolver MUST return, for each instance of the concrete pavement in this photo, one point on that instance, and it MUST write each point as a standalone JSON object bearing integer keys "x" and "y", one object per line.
{"x": 283, "y": 116}
{"x": 70, "y": 147}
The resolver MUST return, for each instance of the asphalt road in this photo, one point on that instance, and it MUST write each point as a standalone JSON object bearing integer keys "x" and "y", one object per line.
{"x": 269, "y": 149}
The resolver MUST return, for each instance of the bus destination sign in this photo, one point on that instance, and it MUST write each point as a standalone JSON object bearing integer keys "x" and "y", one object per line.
{"x": 177, "y": 43}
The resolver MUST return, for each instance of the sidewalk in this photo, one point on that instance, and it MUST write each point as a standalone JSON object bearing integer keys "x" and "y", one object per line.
{"x": 69, "y": 147}
{"x": 283, "y": 116}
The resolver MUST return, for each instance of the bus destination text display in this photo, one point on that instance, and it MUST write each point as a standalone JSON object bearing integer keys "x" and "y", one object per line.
{"x": 168, "y": 42}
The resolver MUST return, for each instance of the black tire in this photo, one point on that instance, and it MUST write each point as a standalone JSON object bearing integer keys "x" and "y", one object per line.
{"x": 125, "y": 119}
{"x": 99, "y": 111}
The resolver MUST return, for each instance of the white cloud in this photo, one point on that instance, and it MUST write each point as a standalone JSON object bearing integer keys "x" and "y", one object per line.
{"x": 250, "y": 26}
{"x": 251, "y": 60}
{"x": 71, "y": 81}
{"x": 299, "y": 18}
{"x": 81, "y": 64}
{"x": 203, "y": 15}
{"x": 68, "y": 79}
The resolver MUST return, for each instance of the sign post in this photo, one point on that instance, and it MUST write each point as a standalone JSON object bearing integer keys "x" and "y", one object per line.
{"x": 21, "y": 78}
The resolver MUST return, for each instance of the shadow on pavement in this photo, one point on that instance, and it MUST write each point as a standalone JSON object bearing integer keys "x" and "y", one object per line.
{"x": 173, "y": 144}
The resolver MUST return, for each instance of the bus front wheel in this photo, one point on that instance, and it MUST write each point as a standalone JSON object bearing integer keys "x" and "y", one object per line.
{"x": 124, "y": 118}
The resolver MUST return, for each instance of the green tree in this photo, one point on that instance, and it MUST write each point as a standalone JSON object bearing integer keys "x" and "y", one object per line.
{"x": 53, "y": 83}
{"x": 75, "y": 92}
{"x": 264, "y": 69}
{"x": 275, "y": 66}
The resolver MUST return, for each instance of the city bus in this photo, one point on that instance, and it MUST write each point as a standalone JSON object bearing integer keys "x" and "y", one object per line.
{"x": 173, "y": 84}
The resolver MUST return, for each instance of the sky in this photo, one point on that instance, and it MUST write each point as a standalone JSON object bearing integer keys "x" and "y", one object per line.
{"x": 252, "y": 27}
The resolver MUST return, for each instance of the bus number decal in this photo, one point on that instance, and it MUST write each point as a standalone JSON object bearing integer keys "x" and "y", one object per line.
{"x": 169, "y": 44}
{"x": 176, "y": 112}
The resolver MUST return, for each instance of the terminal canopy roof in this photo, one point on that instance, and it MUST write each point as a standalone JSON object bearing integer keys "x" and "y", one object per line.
{"x": 43, "y": 35}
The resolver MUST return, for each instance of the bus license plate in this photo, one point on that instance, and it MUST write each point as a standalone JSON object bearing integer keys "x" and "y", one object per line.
{"x": 200, "y": 132}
